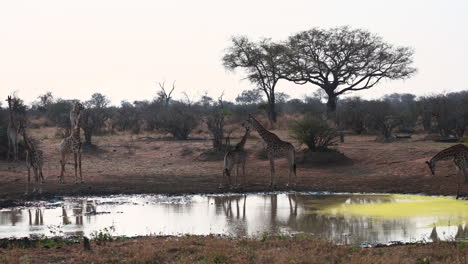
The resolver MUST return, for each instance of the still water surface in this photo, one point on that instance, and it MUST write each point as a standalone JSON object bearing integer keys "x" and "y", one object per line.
{"x": 342, "y": 218}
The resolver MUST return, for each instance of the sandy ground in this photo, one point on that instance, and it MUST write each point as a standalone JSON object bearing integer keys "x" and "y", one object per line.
{"x": 151, "y": 163}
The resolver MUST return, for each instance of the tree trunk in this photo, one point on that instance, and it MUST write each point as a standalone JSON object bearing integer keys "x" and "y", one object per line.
{"x": 331, "y": 104}
{"x": 271, "y": 112}
{"x": 88, "y": 134}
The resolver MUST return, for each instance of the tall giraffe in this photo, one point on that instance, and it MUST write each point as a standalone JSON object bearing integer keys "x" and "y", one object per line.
{"x": 34, "y": 157}
{"x": 12, "y": 132}
{"x": 276, "y": 148}
{"x": 459, "y": 153}
{"x": 236, "y": 157}
{"x": 77, "y": 108}
{"x": 72, "y": 144}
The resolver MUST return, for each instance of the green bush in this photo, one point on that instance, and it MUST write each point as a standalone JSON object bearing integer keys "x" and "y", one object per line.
{"x": 314, "y": 132}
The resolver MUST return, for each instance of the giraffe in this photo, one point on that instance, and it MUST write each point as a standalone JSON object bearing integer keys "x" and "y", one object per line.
{"x": 275, "y": 148}
{"x": 459, "y": 153}
{"x": 236, "y": 157}
{"x": 72, "y": 144}
{"x": 12, "y": 132}
{"x": 77, "y": 108}
{"x": 34, "y": 157}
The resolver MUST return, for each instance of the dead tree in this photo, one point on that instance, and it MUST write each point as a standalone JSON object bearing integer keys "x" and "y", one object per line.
{"x": 163, "y": 95}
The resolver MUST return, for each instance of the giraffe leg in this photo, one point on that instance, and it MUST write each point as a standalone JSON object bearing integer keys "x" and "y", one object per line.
{"x": 63, "y": 161}
{"x": 237, "y": 173}
{"x": 9, "y": 149}
{"x": 36, "y": 178}
{"x": 79, "y": 166}
{"x": 272, "y": 168}
{"x": 459, "y": 172}
{"x": 221, "y": 179}
{"x": 75, "y": 156}
{"x": 243, "y": 172}
{"x": 16, "y": 150}
{"x": 29, "y": 168}
{"x": 229, "y": 174}
{"x": 36, "y": 174}
{"x": 41, "y": 174}
{"x": 465, "y": 173}
{"x": 291, "y": 165}
{"x": 29, "y": 173}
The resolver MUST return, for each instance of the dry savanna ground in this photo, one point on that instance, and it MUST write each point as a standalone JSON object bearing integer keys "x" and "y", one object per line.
{"x": 221, "y": 250}
{"x": 154, "y": 163}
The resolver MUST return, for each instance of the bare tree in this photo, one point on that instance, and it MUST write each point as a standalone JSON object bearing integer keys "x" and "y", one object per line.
{"x": 215, "y": 122}
{"x": 163, "y": 95}
{"x": 261, "y": 63}
{"x": 341, "y": 60}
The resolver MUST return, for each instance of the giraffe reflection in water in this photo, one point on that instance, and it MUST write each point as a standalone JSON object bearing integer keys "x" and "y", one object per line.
{"x": 38, "y": 218}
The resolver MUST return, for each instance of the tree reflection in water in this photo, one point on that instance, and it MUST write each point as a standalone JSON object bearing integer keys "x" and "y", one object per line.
{"x": 338, "y": 218}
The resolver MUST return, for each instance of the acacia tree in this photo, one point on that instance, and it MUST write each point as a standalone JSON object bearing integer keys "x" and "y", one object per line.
{"x": 260, "y": 60}
{"x": 341, "y": 60}
{"x": 249, "y": 97}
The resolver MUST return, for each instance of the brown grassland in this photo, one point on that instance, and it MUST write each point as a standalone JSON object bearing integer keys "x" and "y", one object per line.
{"x": 193, "y": 249}
{"x": 153, "y": 163}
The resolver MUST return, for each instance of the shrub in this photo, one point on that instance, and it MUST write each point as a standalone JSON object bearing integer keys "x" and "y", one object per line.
{"x": 314, "y": 132}
{"x": 59, "y": 113}
{"x": 178, "y": 120}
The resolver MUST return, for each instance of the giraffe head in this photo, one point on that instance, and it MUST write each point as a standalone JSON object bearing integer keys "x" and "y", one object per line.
{"x": 249, "y": 121}
{"x": 246, "y": 125}
{"x": 9, "y": 100}
{"x": 432, "y": 166}
{"x": 77, "y": 107}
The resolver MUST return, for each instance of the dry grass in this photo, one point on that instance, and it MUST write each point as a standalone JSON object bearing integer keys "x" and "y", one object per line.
{"x": 194, "y": 249}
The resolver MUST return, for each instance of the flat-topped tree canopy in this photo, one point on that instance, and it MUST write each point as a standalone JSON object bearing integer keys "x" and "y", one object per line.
{"x": 342, "y": 59}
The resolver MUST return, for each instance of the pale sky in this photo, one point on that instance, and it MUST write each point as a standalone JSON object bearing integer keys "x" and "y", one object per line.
{"x": 123, "y": 48}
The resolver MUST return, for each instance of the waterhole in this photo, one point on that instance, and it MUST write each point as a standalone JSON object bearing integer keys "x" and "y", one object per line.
{"x": 341, "y": 218}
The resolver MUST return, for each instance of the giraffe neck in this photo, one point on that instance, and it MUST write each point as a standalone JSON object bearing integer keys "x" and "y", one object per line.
{"x": 266, "y": 135}
{"x": 75, "y": 129}
{"x": 25, "y": 139}
{"x": 11, "y": 121}
{"x": 241, "y": 144}
{"x": 27, "y": 142}
{"x": 75, "y": 133}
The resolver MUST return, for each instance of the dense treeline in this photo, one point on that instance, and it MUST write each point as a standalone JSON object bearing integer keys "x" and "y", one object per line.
{"x": 442, "y": 114}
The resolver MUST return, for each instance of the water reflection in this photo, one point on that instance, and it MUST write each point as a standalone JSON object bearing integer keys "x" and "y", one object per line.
{"x": 346, "y": 218}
